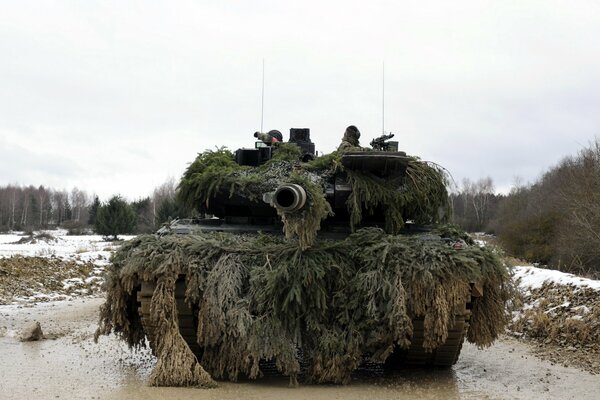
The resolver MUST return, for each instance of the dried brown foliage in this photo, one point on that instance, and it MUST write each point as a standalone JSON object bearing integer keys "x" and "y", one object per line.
{"x": 561, "y": 315}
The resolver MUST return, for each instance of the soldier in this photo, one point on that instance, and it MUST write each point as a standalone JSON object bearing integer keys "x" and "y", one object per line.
{"x": 276, "y": 135}
{"x": 350, "y": 139}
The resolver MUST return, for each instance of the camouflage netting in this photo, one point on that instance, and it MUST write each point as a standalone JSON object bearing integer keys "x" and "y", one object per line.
{"x": 262, "y": 297}
{"x": 421, "y": 194}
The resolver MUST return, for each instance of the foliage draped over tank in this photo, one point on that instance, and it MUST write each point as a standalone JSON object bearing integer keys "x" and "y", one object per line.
{"x": 262, "y": 297}
{"x": 421, "y": 194}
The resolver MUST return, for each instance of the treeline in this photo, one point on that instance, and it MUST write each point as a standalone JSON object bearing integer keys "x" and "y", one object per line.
{"x": 29, "y": 208}
{"x": 475, "y": 205}
{"x": 554, "y": 221}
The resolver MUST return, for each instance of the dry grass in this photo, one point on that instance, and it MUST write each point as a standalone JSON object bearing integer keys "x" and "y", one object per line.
{"x": 561, "y": 315}
{"x": 22, "y": 277}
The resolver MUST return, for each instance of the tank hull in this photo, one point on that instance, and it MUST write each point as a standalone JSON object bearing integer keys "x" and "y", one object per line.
{"x": 445, "y": 355}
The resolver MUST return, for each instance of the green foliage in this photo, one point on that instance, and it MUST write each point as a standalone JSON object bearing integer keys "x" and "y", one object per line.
{"x": 305, "y": 223}
{"x": 215, "y": 171}
{"x": 453, "y": 232}
{"x": 205, "y": 176}
{"x": 331, "y": 161}
{"x": 144, "y": 215}
{"x": 93, "y": 211}
{"x": 368, "y": 194}
{"x": 286, "y": 152}
{"x": 261, "y": 297}
{"x": 426, "y": 184}
{"x": 115, "y": 218}
{"x": 421, "y": 195}
{"x": 169, "y": 209}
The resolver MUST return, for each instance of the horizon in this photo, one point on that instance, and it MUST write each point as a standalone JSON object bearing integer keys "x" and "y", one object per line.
{"x": 454, "y": 187}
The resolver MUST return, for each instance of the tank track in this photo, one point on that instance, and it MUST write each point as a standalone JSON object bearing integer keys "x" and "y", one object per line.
{"x": 445, "y": 355}
{"x": 187, "y": 317}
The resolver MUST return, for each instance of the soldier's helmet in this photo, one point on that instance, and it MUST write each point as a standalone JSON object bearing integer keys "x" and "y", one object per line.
{"x": 352, "y": 132}
{"x": 276, "y": 134}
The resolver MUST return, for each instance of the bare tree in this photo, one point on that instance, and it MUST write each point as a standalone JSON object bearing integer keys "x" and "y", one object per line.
{"x": 556, "y": 220}
{"x": 42, "y": 196}
{"x": 79, "y": 201}
{"x": 163, "y": 197}
{"x": 473, "y": 203}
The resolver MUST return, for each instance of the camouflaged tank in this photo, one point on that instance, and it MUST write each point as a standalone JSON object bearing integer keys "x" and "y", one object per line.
{"x": 312, "y": 265}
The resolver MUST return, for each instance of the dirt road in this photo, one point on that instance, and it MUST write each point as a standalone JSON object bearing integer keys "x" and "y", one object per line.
{"x": 71, "y": 366}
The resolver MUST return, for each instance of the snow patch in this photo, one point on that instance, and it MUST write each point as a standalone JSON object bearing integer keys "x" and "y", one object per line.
{"x": 529, "y": 278}
{"x": 69, "y": 283}
{"x": 79, "y": 248}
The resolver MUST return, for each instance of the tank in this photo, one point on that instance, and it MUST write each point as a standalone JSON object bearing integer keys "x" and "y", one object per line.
{"x": 316, "y": 266}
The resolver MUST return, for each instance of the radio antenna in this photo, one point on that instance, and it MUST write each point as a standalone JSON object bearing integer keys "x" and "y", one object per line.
{"x": 262, "y": 99}
{"x": 383, "y": 98}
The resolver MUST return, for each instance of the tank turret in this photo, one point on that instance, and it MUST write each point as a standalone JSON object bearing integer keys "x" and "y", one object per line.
{"x": 355, "y": 184}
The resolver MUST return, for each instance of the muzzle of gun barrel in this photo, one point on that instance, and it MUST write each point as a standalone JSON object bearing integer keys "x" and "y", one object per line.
{"x": 289, "y": 197}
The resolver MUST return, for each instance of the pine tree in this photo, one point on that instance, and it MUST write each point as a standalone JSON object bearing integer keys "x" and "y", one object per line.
{"x": 34, "y": 212}
{"x": 167, "y": 211}
{"x": 143, "y": 210}
{"x": 115, "y": 218}
{"x": 94, "y": 211}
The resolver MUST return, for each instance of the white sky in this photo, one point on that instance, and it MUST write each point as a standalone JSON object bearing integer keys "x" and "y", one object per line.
{"x": 117, "y": 96}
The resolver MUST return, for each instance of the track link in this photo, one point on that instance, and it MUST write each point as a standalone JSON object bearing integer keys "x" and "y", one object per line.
{"x": 445, "y": 355}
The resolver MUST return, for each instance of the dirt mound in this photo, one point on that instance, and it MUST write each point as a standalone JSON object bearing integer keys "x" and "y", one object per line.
{"x": 564, "y": 320}
{"x": 43, "y": 279}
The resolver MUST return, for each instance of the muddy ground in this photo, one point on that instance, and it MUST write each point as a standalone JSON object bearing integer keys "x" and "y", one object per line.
{"x": 72, "y": 366}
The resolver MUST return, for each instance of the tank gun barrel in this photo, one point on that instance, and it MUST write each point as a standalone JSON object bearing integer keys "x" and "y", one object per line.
{"x": 287, "y": 198}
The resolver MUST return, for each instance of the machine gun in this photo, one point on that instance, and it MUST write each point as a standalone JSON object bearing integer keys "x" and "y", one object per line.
{"x": 382, "y": 143}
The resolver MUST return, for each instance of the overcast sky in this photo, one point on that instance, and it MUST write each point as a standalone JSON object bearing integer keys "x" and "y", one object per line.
{"x": 118, "y": 96}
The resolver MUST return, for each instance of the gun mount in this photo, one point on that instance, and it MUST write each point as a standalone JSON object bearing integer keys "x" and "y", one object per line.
{"x": 382, "y": 143}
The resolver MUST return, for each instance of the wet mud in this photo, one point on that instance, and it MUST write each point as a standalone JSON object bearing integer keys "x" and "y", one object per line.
{"x": 69, "y": 365}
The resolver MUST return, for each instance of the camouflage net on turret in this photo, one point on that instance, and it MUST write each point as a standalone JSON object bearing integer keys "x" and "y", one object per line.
{"x": 262, "y": 297}
{"x": 421, "y": 194}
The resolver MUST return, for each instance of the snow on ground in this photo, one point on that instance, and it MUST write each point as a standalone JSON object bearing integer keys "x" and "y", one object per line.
{"x": 530, "y": 278}
{"x": 561, "y": 314}
{"x": 81, "y": 248}
{"x": 10, "y": 237}
{"x": 51, "y": 265}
